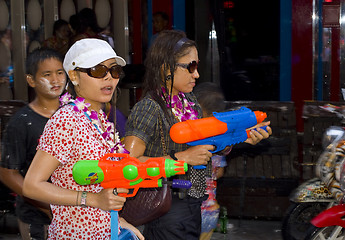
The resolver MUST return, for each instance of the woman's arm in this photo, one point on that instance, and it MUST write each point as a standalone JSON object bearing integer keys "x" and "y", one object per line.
{"x": 36, "y": 186}
{"x": 125, "y": 224}
{"x": 196, "y": 155}
{"x": 219, "y": 172}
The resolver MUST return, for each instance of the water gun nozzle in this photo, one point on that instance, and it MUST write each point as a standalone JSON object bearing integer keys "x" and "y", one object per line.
{"x": 260, "y": 116}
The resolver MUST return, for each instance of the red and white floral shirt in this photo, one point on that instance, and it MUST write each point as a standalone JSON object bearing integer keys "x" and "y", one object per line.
{"x": 70, "y": 136}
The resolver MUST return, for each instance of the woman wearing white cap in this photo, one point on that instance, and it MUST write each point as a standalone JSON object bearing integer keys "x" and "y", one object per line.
{"x": 79, "y": 130}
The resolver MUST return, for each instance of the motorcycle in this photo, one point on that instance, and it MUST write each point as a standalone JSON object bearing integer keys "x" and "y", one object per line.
{"x": 330, "y": 224}
{"x": 317, "y": 194}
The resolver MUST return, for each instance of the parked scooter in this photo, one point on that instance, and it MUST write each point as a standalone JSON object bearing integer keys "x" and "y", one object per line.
{"x": 317, "y": 194}
{"x": 330, "y": 224}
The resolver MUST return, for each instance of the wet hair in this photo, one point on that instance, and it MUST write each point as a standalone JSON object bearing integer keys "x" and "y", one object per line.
{"x": 58, "y": 24}
{"x": 214, "y": 102}
{"x": 164, "y": 53}
{"x": 39, "y": 55}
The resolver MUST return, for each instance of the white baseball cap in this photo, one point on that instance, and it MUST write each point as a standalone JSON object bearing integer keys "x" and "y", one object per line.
{"x": 89, "y": 52}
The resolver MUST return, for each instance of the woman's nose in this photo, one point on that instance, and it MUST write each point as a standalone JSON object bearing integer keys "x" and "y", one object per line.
{"x": 196, "y": 74}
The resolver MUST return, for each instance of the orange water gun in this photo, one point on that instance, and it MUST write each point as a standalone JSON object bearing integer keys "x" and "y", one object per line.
{"x": 221, "y": 130}
{"x": 119, "y": 170}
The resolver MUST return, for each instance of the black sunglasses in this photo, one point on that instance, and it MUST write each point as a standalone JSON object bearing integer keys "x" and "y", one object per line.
{"x": 192, "y": 66}
{"x": 100, "y": 71}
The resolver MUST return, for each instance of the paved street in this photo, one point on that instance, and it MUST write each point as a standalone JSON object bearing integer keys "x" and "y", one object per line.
{"x": 251, "y": 230}
{"x": 240, "y": 230}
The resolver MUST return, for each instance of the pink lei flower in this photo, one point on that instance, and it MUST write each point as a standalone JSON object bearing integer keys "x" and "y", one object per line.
{"x": 65, "y": 99}
{"x": 81, "y": 105}
{"x": 181, "y": 108}
{"x": 98, "y": 120}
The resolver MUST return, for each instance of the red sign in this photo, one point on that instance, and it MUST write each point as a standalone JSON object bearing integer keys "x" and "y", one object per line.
{"x": 228, "y": 4}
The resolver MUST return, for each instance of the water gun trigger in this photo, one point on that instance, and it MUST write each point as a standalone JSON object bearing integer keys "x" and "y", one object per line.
{"x": 221, "y": 147}
{"x": 132, "y": 192}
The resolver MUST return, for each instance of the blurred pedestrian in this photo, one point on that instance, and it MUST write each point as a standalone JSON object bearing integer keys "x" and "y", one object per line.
{"x": 61, "y": 36}
{"x": 214, "y": 102}
{"x": 85, "y": 25}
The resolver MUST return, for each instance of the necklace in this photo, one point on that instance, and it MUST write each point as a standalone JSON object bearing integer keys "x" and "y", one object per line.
{"x": 43, "y": 110}
{"x": 99, "y": 120}
{"x": 180, "y": 106}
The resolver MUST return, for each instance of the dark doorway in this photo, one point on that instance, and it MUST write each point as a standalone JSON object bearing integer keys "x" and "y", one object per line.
{"x": 248, "y": 41}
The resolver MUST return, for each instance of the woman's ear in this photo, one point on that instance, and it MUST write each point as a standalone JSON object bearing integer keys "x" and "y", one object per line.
{"x": 73, "y": 76}
{"x": 165, "y": 69}
{"x": 30, "y": 80}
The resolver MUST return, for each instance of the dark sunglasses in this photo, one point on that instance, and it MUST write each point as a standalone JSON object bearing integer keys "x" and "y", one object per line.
{"x": 192, "y": 66}
{"x": 100, "y": 71}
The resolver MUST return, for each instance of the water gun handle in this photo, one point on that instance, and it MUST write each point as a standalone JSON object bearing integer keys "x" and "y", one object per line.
{"x": 114, "y": 225}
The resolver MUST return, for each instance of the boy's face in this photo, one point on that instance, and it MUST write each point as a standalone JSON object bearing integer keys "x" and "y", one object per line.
{"x": 50, "y": 78}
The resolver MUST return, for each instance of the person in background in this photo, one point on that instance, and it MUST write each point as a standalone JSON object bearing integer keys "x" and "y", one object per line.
{"x": 60, "y": 39}
{"x": 85, "y": 25}
{"x": 80, "y": 130}
{"x": 75, "y": 23}
{"x": 45, "y": 74}
{"x": 214, "y": 102}
{"x": 171, "y": 74}
{"x": 108, "y": 36}
{"x": 160, "y": 22}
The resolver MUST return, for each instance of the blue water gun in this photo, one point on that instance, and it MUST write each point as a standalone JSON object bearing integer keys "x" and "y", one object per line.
{"x": 222, "y": 130}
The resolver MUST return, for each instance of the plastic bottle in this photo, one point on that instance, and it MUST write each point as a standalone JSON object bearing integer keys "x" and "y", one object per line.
{"x": 223, "y": 220}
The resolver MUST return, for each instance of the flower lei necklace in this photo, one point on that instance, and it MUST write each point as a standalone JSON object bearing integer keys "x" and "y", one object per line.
{"x": 180, "y": 107}
{"x": 97, "y": 119}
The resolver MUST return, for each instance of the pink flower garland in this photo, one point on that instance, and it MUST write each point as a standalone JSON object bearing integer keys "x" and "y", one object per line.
{"x": 98, "y": 119}
{"x": 181, "y": 108}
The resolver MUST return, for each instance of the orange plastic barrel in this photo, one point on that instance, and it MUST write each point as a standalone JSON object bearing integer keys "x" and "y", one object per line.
{"x": 192, "y": 130}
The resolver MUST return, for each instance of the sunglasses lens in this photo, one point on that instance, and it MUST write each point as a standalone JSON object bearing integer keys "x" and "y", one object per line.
{"x": 98, "y": 71}
{"x": 192, "y": 66}
{"x": 116, "y": 71}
